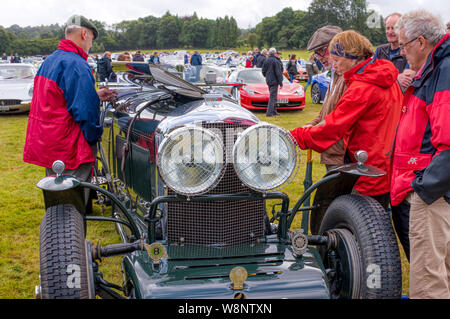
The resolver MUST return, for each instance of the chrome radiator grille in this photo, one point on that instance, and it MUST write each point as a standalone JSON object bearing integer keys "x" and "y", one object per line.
{"x": 10, "y": 102}
{"x": 220, "y": 223}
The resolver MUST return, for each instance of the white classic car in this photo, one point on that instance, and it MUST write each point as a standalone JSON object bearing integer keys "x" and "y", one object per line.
{"x": 16, "y": 87}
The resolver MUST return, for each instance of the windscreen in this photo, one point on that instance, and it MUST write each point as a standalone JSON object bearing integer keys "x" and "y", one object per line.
{"x": 254, "y": 76}
{"x": 16, "y": 72}
{"x": 197, "y": 74}
{"x": 251, "y": 76}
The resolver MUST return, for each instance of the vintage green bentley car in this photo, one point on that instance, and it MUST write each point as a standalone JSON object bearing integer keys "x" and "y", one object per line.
{"x": 188, "y": 173}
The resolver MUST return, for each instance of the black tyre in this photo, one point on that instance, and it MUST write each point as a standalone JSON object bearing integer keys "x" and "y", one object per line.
{"x": 315, "y": 93}
{"x": 64, "y": 259}
{"x": 365, "y": 259}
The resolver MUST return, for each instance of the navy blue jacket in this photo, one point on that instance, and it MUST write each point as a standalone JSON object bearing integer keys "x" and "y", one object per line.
{"x": 273, "y": 71}
{"x": 196, "y": 59}
{"x": 104, "y": 68}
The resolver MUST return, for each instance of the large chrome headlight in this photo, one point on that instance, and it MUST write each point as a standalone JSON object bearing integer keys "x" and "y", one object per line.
{"x": 265, "y": 157}
{"x": 191, "y": 160}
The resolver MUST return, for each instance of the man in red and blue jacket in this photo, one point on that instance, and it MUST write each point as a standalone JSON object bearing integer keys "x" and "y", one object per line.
{"x": 420, "y": 173}
{"x": 63, "y": 122}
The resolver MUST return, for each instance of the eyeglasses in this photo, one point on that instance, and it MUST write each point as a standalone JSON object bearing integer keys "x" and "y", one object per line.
{"x": 321, "y": 52}
{"x": 402, "y": 46}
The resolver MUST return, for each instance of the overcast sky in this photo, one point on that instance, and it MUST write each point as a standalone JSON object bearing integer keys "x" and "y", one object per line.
{"x": 246, "y": 12}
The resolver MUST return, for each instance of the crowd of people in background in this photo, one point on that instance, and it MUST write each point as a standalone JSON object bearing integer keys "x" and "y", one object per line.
{"x": 13, "y": 58}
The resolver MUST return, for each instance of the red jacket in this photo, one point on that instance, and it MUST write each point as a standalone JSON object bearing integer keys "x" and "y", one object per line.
{"x": 365, "y": 117}
{"x": 421, "y": 159}
{"x": 65, "y": 110}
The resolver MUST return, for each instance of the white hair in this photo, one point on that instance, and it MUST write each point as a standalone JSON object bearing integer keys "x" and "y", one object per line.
{"x": 421, "y": 23}
{"x": 272, "y": 51}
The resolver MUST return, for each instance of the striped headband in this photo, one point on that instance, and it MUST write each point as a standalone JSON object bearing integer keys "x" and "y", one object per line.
{"x": 339, "y": 51}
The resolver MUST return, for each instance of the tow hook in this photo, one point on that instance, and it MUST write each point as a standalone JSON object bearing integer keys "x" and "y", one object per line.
{"x": 116, "y": 249}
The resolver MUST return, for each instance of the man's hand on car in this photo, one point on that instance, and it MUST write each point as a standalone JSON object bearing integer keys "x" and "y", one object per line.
{"x": 106, "y": 94}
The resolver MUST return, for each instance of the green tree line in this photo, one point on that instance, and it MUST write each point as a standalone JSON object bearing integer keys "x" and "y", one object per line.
{"x": 293, "y": 29}
{"x": 287, "y": 29}
{"x": 167, "y": 32}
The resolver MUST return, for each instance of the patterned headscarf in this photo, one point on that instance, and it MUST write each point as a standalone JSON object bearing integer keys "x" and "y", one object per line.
{"x": 338, "y": 50}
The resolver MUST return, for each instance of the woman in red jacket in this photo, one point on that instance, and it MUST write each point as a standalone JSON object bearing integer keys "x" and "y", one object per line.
{"x": 367, "y": 114}
{"x": 248, "y": 61}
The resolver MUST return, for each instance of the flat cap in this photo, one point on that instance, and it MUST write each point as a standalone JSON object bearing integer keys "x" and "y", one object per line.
{"x": 83, "y": 22}
{"x": 322, "y": 37}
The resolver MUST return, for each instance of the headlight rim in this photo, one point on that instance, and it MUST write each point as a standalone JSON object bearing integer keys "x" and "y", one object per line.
{"x": 176, "y": 132}
{"x": 296, "y": 157}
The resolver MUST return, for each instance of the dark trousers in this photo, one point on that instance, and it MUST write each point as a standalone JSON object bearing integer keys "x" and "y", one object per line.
{"x": 197, "y": 72}
{"x": 400, "y": 219}
{"x": 82, "y": 172}
{"x": 272, "y": 105}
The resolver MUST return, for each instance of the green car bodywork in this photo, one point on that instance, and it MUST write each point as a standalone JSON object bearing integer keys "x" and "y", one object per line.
{"x": 203, "y": 272}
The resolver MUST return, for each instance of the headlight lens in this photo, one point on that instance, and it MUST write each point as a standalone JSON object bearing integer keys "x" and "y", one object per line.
{"x": 265, "y": 157}
{"x": 30, "y": 92}
{"x": 300, "y": 91}
{"x": 251, "y": 92}
{"x": 191, "y": 160}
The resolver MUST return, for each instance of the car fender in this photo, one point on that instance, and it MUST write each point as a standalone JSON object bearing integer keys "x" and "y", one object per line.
{"x": 64, "y": 189}
{"x": 336, "y": 187}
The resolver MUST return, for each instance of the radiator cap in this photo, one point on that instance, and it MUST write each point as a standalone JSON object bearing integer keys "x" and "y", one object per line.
{"x": 238, "y": 275}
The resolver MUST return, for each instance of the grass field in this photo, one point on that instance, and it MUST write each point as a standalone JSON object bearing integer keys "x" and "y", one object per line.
{"x": 22, "y": 207}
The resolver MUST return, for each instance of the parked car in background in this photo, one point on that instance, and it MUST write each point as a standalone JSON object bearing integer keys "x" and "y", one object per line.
{"x": 16, "y": 87}
{"x": 35, "y": 61}
{"x": 92, "y": 64}
{"x": 114, "y": 56}
{"x": 28, "y": 60}
{"x": 180, "y": 53}
{"x": 230, "y": 52}
{"x": 302, "y": 74}
{"x": 200, "y": 74}
{"x": 319, "y": 86}
{"x": 254, "y": 95}
{"x": 173, "y": 59}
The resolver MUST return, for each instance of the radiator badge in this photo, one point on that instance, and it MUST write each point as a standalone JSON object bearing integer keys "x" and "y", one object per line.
{"x": 238, "y": 275}
{"x": 299, "y": 242}
{"x": 156, "y": 251}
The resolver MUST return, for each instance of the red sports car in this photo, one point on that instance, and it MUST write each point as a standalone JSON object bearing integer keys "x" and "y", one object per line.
{"x": 254, "y": 95}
